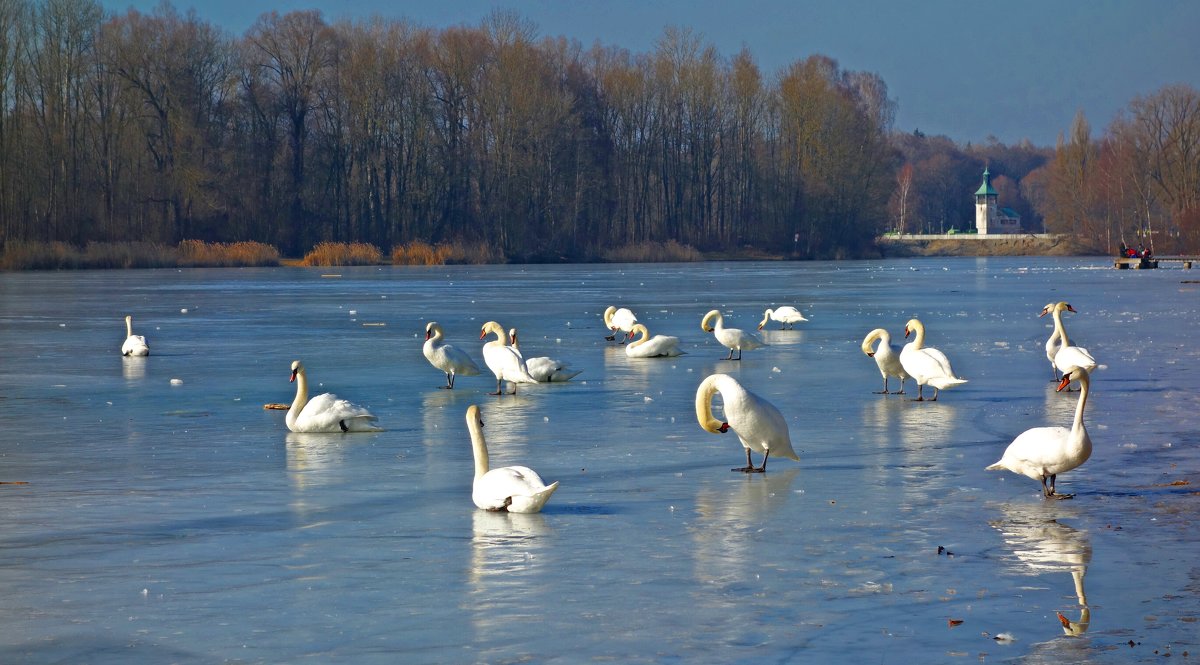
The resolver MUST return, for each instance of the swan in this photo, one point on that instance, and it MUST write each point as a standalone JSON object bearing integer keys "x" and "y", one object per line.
{"x": 135, "y": 345}
{"x": 544, "y": 369}
{"x": 787, "y": 315}
{"x": 926, "y": 365}
{"x": 505, "y": 361}
{"x": 517, "y": 489}
{"x": 733, "y": 338}
{"x": 1045, "y": 452}
{"x": 885, "y": 357}
{"x": 659, "y": 346}
{"x": 446, "y": 357}
{"x": 619, "y": 319}
{"x": 759, "y": 425}
{"x": 325, "y": 412}
{"x": 1054, "y": 343}
{"x": 1068, "y": 355}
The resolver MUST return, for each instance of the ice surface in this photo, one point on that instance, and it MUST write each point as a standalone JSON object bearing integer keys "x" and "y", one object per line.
{"x": 184, "y": 523}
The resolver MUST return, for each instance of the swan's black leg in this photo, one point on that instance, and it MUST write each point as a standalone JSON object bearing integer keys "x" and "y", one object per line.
{"x": 499, "y": 386}
{"x": 763, "y": 468}
{"x": 342, "y": 424}
{"x": 885, "y": 390}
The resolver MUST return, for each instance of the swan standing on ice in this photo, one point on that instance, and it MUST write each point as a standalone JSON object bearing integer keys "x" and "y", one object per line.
{"x": 619, "y": 319}
{"x": 926, "y": 365}
{"x": 325, "y": 412}
{"x": 446, "y": 357}
{"x": 517, "y": 489}
{"x": 787, "y": 315}
{"x": 732, "y": 338}
{"x": 1042, "y": 453}
{"x": 886, "y": 359}
{"x": 505, "y": 361}
{"x": 1054, "y": 343}
{"x": 758, "y": 424}
{"x": 659, "y": 346}
{"x": 544, "y": 369}
{"x": 135, "y": 345}
{"x": 1068, "y": 355}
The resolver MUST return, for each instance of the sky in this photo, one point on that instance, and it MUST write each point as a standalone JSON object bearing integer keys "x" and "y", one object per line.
{"x": 971, "y": 71}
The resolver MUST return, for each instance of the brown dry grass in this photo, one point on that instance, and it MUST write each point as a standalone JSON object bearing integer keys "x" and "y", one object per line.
{"x": 420, "y": 253}
{"x": 33, "y": 255}
{"x": 343, "y": 254}
{"x": 234, "y": 254}
{"x": 653, "y": 252}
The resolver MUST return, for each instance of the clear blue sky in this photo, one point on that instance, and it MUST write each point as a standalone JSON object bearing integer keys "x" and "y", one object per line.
{"x": 968, "y": 70}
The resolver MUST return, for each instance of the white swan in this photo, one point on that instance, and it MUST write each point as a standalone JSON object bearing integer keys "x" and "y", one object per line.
{"x": 446, "y": 357}
{"x": 732, "y": 338}
{"x": 135, "y": 345}
{"x": 759, "y": 425}
{"x": 926, "y": 365}
{"x": 504, "y": 361}
{"x": 517, "y": 489}
{"x": 544, "y": 369}
{"x": 885, "y": 357}
{"x": 1068, "y": 355}
{"x": 325, "y": 412}
{"x": 787, "y": 315}
{"x": 619, "y": 319}
{"x": 1042, "y": 453}
{"x": 1054, "y": 343}
{"x": 659, "y": 346}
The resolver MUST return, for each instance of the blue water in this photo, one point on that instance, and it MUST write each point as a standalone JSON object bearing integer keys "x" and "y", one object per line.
{"x": 184, "y": 523}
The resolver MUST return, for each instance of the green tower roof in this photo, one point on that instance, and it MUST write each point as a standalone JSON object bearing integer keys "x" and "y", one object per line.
{"x": 986, "y": 188}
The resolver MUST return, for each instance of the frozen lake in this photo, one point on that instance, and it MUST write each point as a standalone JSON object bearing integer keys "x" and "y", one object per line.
{"x": 183, "y": 523}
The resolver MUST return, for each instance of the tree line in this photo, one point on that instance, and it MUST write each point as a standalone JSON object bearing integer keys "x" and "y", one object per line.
{"x": 160, "y": 127}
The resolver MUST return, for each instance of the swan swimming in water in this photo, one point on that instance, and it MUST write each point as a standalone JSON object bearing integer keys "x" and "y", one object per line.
{"x": 446, "y": 357}
{"x": 135, "y": 345}
{"x": 544, "y": 368}
{"x": 1068, "y": 355}
{"x": 731, "y": 338}
{"x": 325, "y": 412}
{"x": 758, "y": 424}
{"x": 659, "y": 346}
{"x": 506, "y": 362}
{"x": 926, "y": 365}
{"x": 619, "y": 319}
{"x": 1041, "y": 453}
{"x": 787, "y": 315}
{"x": 517, "y": 489}
{"x": 886, "y": 358}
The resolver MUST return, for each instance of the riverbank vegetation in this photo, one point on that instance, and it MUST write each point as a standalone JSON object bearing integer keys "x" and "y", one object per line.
{"x": 490, "y": 143}
{"x": 58, "y": 255}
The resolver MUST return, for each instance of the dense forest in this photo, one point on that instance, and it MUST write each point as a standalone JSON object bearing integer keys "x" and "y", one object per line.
{"x": 162, "y": 128}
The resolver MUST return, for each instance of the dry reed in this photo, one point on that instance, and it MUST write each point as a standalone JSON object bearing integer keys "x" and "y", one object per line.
{"x": 343, "y": 254}
{"x": 421, "y": 253}
{"x": 234, "y": 254}
{"x": 35, "y": 255}
{"x": 653, "y": 252}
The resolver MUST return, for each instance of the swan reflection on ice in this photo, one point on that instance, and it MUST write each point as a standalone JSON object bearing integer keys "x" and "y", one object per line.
{"x": 508, "y": 554}
{"x": 133, "y": 368}
{"x": 1042, "y": 544}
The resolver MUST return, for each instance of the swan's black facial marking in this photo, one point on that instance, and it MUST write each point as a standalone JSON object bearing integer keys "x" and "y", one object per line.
{"x": 293, "y": 377}
{"x": 723, "y": 428}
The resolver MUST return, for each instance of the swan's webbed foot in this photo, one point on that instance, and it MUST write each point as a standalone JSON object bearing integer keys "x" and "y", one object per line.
{"x": 1060, "y": 497}
{"x": 880, "y": 392}
{"x": 747, "y": 469}
{"x": 446, "y": 387}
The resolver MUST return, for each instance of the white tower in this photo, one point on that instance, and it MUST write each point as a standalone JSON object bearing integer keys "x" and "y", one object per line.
{"x": 986, "y": 208}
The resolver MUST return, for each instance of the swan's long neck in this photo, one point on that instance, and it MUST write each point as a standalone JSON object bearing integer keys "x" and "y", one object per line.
{"x": 704, "y": 395}
{"x": 918, "y": 329}
{"x": 639, "y": 330}
{"x": 301, "y": 397}
{"x": 766, "y": 317}
{"x": 878, "y": 333}
{"x": 1059, "y": 328}
{"x": 1084, "y": 386}
{"x": 479, "y": 446}
{"x": 129, "y": 326}
{"x": 608, "y": 317}
{"x": 436, "y": 336}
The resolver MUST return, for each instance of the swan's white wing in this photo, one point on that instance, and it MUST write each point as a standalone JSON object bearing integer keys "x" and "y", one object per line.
{"x": 623, "y": 319}
{"x": 655, "y": 347}
{"x": 1074, "y": 356}
{"x": 518, "y": 489}
{"x": 135, "y": 345}
{"x": 506, "y": 363}
{"x": 450, "y": 359}
{"x": 758, "y": 424}
{"x": 546, "y": 370}
{"x": 736, "y": 338}
{"x": 328, "y": 413}
{"x": 1034, "y": 450}
{"x": 787, "y": 314}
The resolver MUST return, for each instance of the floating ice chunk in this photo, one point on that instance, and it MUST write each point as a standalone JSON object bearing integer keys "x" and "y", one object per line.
{"x": 177, "y": 382}
{"x": 1005, "y": 638}
{"x": 647, "y": 398}
{"x": 776, "y": 370}
{"x": 353, "y": 312}
{"x": 183, "y": 310}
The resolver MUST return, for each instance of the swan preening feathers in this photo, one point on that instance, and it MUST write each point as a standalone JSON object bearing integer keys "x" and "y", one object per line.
{"x": 926, "y": 365}
{"x": 135, "y": 345}
{"x": 758, "y": 424}
{"x": 659, "y": 346}
{"x": 543, "y": 369}
{"x": 731, "y": 338}
{"x": 1042, "y": 453}
{"x": 619, "y": 320}
{"x": 787, "y": 315}
{"x": 446, "y": 357}
{"x": 325, "y": 412}
{"x": 517, "y": 489}
{"x": 885, "y": 357}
